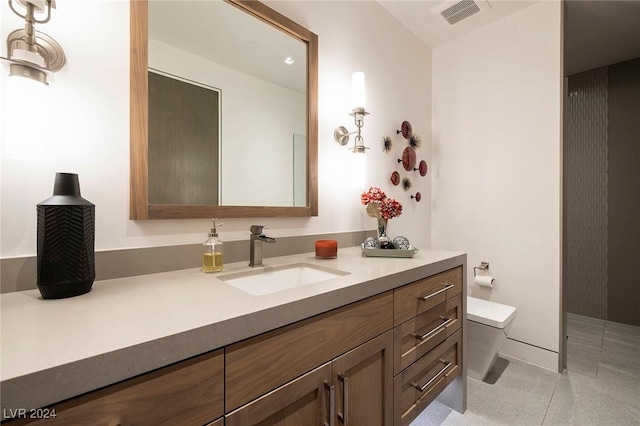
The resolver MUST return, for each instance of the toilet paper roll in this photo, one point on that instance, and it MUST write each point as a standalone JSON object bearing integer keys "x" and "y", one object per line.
{"x": 484, "y": 280}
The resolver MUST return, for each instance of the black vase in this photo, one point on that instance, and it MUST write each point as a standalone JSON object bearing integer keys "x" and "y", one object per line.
{"x": 66, "y": 230}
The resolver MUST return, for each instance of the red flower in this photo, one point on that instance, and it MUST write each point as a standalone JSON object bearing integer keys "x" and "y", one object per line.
{"x": 390, "y": 208}
{"x": 373, "y": 195}
{"x": 386, "y": 207}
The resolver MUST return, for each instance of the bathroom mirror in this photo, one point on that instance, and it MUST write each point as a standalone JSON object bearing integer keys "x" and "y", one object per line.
{"x": 242, "y": 123}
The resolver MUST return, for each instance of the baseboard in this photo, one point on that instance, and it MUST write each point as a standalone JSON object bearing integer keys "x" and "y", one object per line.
{"x": 530, "y": 354}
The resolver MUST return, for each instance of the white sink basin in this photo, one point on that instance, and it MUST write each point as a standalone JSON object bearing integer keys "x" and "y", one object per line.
{"x": 267, "y": 279}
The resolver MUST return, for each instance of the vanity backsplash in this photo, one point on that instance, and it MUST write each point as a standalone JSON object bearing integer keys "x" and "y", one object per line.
{"x": 18, "y": 274}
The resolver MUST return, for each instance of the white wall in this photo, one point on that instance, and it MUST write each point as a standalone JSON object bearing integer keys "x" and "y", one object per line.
{"x": 497, "y": 166}
{"x": 88, "y": 130}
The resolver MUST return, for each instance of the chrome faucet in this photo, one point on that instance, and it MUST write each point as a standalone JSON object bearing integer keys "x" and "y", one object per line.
{"x": 256, "y": 239}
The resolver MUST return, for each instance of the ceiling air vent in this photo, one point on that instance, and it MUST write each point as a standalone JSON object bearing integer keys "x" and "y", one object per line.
{"x": 455, "y": 11}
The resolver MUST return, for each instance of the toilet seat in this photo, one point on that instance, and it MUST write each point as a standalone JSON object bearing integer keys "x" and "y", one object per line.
{"x": 489, "y": 313}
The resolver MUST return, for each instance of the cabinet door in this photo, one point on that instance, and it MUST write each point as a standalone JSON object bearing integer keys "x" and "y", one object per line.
{"x": 307, "y": 400}
{"x": 257, "y": 365}
{"x": 363, "y": 379}
{"x": 187, "y": 393}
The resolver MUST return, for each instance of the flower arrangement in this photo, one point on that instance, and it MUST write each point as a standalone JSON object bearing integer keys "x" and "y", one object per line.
{"x": 373, "y": 195}
{"x": 390, "y": 208}
{"x": 379, "y": 205}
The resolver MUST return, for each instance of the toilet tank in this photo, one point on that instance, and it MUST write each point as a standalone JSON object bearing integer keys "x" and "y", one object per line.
{"x": 489, "y": 313}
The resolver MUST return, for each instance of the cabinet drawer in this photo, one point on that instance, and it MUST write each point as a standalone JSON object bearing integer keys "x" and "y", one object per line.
{"x": 260, "y": 364}
{"x": 423, "y": 381}
{"x": 416, "y": 298}
{"x": 189, "y": 392}
{"x": 419, "y": 335}
{"x": 303, "y": 401}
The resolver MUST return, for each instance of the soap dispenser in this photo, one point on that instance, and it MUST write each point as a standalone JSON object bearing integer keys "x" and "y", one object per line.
{"x": 212, "y": 251}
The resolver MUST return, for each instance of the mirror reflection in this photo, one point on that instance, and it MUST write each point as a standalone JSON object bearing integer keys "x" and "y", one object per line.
{"x": 184, "y": 136}
{"x": 227, "y": 108}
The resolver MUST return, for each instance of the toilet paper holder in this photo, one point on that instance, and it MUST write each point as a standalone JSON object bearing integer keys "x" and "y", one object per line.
{"x": 483, "y": 266}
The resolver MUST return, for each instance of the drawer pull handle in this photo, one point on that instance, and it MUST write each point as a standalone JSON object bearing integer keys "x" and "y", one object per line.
{"x": 433, "y": 379}
{"x": 436, "y": 330}
{"x": 344, "y": 417}
{"x": 442, "y": 290}
{"x": 332, "y": 397}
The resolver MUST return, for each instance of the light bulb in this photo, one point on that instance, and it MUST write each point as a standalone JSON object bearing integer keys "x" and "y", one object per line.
{"x": 359, "y": 170}
{"x": 26, "y": 115}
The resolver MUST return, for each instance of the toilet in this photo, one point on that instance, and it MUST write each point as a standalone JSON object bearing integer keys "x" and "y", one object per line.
{"x": 487, "y": 325}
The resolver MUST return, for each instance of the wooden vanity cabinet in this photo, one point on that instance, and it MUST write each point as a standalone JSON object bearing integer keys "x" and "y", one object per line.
{"x": 376, "y": 362}
{"x": 357, "y": 344}
{"x": 359, "y": 352}
{"x": 428, "y": 316}
{"x": 355, "y": 389}
{"x": 260, "y": 364}
{"x": 187, "y": 393}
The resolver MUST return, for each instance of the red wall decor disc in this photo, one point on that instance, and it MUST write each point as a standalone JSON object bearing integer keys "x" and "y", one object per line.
{"x": 395, "y": 178}
{"x": 406, "y": 130}
{"x": 422, "y": 168}
{"x": 408, "y": 158}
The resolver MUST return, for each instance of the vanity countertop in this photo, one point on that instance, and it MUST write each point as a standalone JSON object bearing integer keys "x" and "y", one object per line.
{"x": 56, "y": 349}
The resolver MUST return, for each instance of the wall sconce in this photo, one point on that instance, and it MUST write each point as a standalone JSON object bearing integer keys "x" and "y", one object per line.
{"x": 30, "y": 53}
{"x": 341, "y": 134}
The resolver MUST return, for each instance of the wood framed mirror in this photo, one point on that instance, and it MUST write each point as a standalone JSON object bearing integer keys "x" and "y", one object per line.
{"x": 305, "y": 188}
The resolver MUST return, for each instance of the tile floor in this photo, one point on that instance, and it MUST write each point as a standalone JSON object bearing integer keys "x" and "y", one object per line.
{"x": 601, "y": 386}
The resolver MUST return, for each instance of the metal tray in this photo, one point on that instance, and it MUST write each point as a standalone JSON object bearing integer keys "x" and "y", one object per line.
{"x": 388, "y": 252}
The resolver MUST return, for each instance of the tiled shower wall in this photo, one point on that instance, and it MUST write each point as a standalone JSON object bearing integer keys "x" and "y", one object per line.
{"x": 623, "y": 232}
{"x": 585, "y": 193}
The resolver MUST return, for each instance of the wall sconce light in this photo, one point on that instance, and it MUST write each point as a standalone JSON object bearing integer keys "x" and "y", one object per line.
{"x": 30, "y": 53}
{"x": 341, "y": 134}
